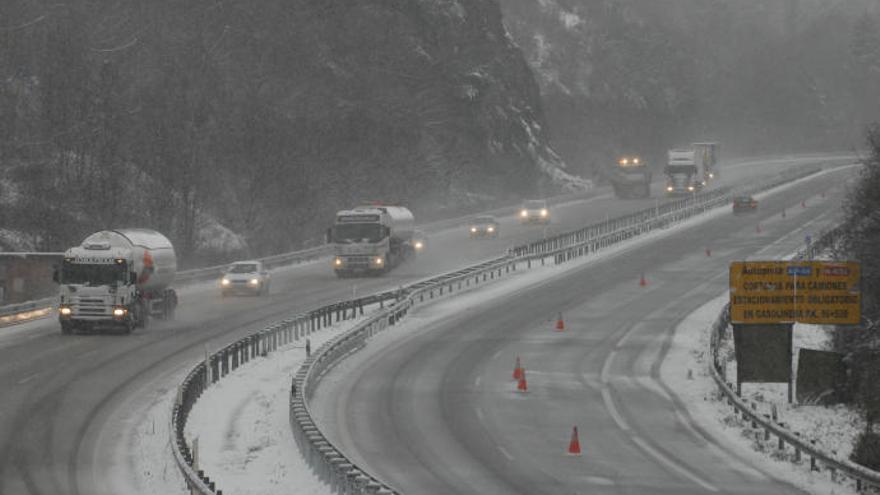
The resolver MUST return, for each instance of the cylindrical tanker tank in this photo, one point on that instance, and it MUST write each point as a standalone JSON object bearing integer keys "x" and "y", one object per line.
{"x": 403, "y": 223}
{"x": 152, "y": 255}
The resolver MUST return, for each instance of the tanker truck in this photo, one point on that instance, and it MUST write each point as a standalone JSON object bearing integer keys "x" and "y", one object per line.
{"x": 116, "y": 280}
{"x": 370, "y": 240}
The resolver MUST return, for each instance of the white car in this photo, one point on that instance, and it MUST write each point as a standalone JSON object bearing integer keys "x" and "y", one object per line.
{"x": 534, "y": 211}
{"x": 245, "y": 277}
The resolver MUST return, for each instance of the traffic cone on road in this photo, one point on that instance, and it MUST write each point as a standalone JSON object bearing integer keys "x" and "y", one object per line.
{"x": 560, "y": 324}
{"x": 643, "y": 282}
{"x": 574, "y": 446}
{"x": 517, "y": 372}
{"x": 522, "y": 385}
{"x": 803, "y": 204}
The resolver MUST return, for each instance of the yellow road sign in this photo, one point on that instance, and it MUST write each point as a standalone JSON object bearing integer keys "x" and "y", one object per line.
{"x": 822, "y": 292}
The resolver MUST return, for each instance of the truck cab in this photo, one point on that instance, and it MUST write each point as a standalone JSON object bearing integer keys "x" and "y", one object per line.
{"x": 682, "y": 173}
{"x": 631, "y": 178}
{"x": 371, "y": 240}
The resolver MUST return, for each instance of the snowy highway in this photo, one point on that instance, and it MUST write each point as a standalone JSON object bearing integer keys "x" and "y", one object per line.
{"x": 69, "y": 401}
{"x": 437, "y": 412}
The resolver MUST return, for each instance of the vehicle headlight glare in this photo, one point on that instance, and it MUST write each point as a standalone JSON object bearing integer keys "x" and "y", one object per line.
{"x": 119, "y": 312}
{"x": 473, "y": 230}
{"x": 636, "y": 161}
{"x": 544, "y": 212}
{"x": 491, "y": 229}
{"x": 225, "y": 282}
{"x": 524, "y": 213}
{"x": 379, "y": 260}
{"x": 669, "y": 188}
{"x": 419, "y": 245}
{"x": 65, "y": 311}
{"x": 337, "y": 262}
{"x": 690, "y": 188}
{"x": 254, "y": 281}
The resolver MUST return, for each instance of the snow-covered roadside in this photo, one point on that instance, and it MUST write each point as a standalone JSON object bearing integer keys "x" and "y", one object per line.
{"x": 832, "y": 427}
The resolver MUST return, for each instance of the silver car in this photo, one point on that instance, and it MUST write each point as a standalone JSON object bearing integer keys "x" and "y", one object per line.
{"x": 245, "y": 277}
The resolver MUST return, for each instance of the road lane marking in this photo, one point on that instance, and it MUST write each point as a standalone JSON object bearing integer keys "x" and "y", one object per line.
{"x": 28, "y": 378}
{"x": 612, "y": 410}
{"x": 477, "y": 382}
{"x": 87, "y": 353}
{"x": 505, "y": 453}
{"x": 479, "y": 414}
{"x": 672, "y": 464}
{"x": 497, "y": 353}
{"x": 598, "y": 480}
{"x": 603, "y": 376}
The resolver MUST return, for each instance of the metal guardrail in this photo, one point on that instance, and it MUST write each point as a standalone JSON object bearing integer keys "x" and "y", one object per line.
{"x": 863, "y": 477}
{"x": 331, "y": 465}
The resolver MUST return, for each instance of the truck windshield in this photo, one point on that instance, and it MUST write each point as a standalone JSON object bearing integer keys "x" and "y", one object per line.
{"x": 93, "y": 275}
{"x": 680, "y": 169}
{"x": 357, "y": 232}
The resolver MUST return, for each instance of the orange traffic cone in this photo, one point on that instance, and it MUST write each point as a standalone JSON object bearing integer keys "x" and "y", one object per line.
{"x": 643, "y": 282}
{"x": 574, "y": 446}
{"x": 517, "y": 372}
{"x": 560, "y": 325}
{"x": 708, "y": 252}
{"x": 522, "y": 386}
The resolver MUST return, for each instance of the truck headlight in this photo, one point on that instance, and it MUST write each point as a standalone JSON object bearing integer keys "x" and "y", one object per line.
{"x": 544, "y": 212}
{"x": 65, "y": 311}
{"x": 337, "y": 262}
{"x": 473, "y": 230}
{"x": 254, "y": 282}
{"x": 524, "y": 213}
{"x": 224, "y": 282}
{"x": 690, "y": 188}
{"x": 636, "y": 161}
{"x": 711, "y": 175}
{"x": 669, "y": 188}
{"x": 379, "y": 261}
{"x": 419, "y": 245}
{"x": 491, "y": 229}
{"x": 119, "y": 312}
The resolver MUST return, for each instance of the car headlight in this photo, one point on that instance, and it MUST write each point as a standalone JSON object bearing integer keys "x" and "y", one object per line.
{"x": 669, "y": 188}
{"x": 65, "y": 311}
{"x": 224, "y": 282}
{"x": 337, "y": 262}
{"x": 473, "y": 230}
{"x": 690, "y": 188}
{"x": 491, "y": 229}
{"x": 119, "y": 312}
{"x": 711, "y": 176}
{"x": 544, "y": 212}
{"x": 254, "y": 281}
{"x": 379, "y": 260}
{"x": 524, "y": 213}
{"x": 636, "y": 161}
{"x": 419, "y": 245}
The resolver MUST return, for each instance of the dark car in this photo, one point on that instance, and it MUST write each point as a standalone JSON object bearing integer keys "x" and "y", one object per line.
{"x": 485, "y": 226}
{"x": 744, "y": 204}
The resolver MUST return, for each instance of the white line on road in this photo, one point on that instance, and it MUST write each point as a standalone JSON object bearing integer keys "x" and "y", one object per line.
{"x": 672, "y": 464}
{"x": 477, "y": 382}
{"x": 497, "y": 353}
{"x": 87, "y": 353}
{"x": 603, "y": 376}
{"x": 479, "y": 414}
{"x": 28, "y": 378}
{"x": 734, "y": 463}
{"x": 505, "y": 453}
{"x": 612, "y": 410}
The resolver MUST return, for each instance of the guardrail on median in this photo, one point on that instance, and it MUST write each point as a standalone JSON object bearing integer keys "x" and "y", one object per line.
{"x": 863, "y": 477}
{"x": 329, "y": 462}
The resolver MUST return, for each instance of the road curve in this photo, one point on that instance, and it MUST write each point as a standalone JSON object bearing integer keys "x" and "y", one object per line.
{"x": 68, "y": 400}
{"x": 436, "y": 412}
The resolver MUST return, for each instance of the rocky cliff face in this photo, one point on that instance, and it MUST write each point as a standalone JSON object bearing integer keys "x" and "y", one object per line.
{"x": 265, "y": 117}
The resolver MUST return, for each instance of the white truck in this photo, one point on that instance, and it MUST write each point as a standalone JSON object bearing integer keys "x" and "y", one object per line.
{"x": 706, "y": 155}
{"x": 371, "y": 239}
{"x": 684, "y": 173}
{"x": 116, "y": 279}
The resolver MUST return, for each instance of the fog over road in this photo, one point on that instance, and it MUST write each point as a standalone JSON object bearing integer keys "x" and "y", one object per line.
{"x": 69, "y": 401}
{"x": 438, "y": 413}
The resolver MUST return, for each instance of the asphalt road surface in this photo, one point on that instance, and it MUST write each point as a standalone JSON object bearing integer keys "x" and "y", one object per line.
{"x": 437, "y": 412}
{"x": 68, "y": 402}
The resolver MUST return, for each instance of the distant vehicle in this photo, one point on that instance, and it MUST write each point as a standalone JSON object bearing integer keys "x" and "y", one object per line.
{"x": 631, "y": 178}
{"x": 483, "y": 227}
{"x": 371, "y": 239}
{"x": 707, "y": 155}
{"x": 419, "y": 241}
{"x": 245, "y": 277}
{"x": 116, "y": 279}
{"x": 534, "y": 211}
{"x": 744, "y": 204}
{"x": 683, "y": 173}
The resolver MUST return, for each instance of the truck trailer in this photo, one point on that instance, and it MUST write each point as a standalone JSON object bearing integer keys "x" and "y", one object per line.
{"x": 706, "y": 154}
{"x": 371, "y": 240}
{"x": 116, "y": 279}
